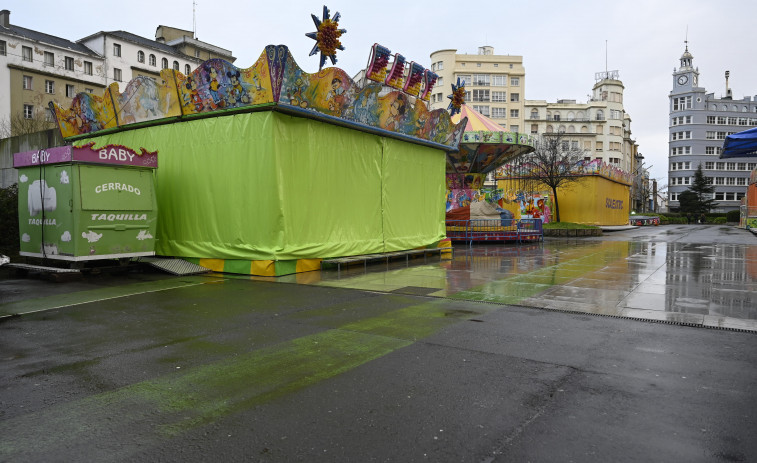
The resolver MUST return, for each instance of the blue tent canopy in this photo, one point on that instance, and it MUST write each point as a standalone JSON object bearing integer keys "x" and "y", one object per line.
{"x": 740, "y": 144}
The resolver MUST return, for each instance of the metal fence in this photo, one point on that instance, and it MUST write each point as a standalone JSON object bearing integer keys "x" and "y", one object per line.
{"x": 481, "y": 230}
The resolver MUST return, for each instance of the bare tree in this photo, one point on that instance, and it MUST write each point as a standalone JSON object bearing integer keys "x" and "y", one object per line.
{"x": 553, "y": 163}
{"x": 17, "y": 124}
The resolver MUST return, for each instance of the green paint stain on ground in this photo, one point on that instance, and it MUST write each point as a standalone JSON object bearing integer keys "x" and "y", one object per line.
{"x": 181, "y": 401}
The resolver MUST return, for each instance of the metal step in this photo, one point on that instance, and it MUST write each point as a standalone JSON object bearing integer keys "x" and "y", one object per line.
{"x": 174, "y": 266}
{"x": 41, "y": 268}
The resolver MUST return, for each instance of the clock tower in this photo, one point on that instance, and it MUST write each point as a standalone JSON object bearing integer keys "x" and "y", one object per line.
{"x": 686, "y": 77}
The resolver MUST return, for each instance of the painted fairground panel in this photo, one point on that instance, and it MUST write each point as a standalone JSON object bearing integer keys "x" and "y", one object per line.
{"x": 217, "y": 84}
{"x": 88, "y": 113}
{"x": 329, "y": 91}
{"x": 145, "y": 99}
{"x": 276, "y": 78}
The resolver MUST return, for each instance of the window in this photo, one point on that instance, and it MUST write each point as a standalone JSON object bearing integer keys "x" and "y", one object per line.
{"x": 682, "y": 120}
{"x": 3, "y": 48}
{"x": 117, "y": 74}
{"x": 26, "y": 55}
{"x": 600, "y": 146}
{"x": 534, "y": 128}
{"x": 499, "y": 81}
{"x": 49, "y": 86}
{"x": 719, "y": 180}
{"x": 712, "y": 149}
{"x": 678, "y": 150}
{"x": 681, "y": 103}
{"x": 709, "y": 165}
{"x": 187, "y": 69}
{"x": 711, "y": 135}
{"x": 27, "y": 82}
{"x": 514, "y": 128}
{"x": 515, "y": 97}
{"x": 175, "y": 65}
{"x": 730, "y": 166}
{"x": 681, "y": 135}
{"x": 116, "y": 49}
{"x": 439, "y": 82}
{"x": 741, "y": 181}
{"x": 69, "y": 63}
{"x": 600, "y": 116}
{"x": 499, "y": 112}
{"x": 482, "y": 109}
{"x": 88, "y": 90}
{"x": 720, "y": 166}
{"x": 534, "y": 114}
{"x": 152, "y": 60}
{"x": 439, "y": 65}
{"x": 514, "y": 113}
{"x": 49, "y": 59}
{"x": 88, "y": 68}
{"x": 164, "y": 63}
{"x": 741, "y": 166}
{"x": 730, "y": 181}
{"x": 515, "y": 81}
{"x": 499, "y": 96}
{"x": 197, "y": 54}
{"x": 481, "y": 79}
{"x": 465, "y": 79}
{"x": 141, "y": 56}
{"x": 28, "y": 111}
{"x": 70, "y": 91}
{"x": 480, "y": 95}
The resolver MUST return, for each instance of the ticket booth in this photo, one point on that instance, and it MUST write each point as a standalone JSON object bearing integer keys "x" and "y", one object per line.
{"x": 86, "y": 203}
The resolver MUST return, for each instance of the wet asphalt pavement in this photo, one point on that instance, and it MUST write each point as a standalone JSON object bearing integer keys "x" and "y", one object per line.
{"x": 442, "y": 361}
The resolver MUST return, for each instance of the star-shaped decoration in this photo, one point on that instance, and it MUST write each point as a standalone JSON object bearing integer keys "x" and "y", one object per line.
{"x": 457, "y": 97}
{"x": 326, "y": 36}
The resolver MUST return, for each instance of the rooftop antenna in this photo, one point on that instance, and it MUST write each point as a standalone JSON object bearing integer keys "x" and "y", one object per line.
{"x": 194, "y": 19}
{"x": 605, "y": 56}
{"x": 686, "y": 38}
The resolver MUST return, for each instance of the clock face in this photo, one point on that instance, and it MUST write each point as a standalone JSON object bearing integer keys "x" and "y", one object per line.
{"x": 682, "y": 80}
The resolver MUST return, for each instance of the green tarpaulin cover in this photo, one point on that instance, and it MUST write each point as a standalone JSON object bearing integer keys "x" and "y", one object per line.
{"x": 269, "y": 186}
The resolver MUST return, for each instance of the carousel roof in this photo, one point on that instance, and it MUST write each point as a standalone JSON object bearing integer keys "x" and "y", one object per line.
{"x": 476, "y": 121}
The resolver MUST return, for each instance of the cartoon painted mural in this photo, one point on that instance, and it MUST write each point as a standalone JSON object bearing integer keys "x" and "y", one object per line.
{"x": 274, "y": 79}
{"x": 461, "y": 197}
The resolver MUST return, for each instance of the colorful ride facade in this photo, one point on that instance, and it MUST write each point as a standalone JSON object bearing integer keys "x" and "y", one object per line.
{"x": 268, "y": 170}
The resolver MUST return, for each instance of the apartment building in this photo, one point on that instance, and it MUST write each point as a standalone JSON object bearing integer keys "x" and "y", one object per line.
{"x": 698, "y": 125}
{"x": 495, "y": 85}
{"x": 36, "y": 68}
{"x": 601, "y": 127}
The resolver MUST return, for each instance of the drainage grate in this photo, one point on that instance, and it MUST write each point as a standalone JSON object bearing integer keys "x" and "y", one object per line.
{"x": 174, "y": 266}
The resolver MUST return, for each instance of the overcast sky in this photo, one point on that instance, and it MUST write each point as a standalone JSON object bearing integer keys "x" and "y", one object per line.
{"x": 563, "y": 43}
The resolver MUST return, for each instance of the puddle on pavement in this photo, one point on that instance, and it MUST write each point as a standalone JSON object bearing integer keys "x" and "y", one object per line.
{"x": 610, "y": 277}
